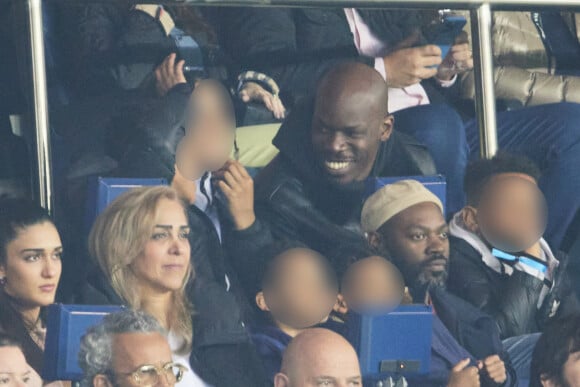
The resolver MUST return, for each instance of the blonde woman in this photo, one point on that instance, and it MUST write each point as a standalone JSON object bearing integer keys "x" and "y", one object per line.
{"x": 140, "y": 243}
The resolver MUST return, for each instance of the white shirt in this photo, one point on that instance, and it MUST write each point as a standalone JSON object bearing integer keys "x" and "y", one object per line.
{"x": 190, "y": 378}
{"x": 368, "y": 44}
{"x": 204, "y": 202}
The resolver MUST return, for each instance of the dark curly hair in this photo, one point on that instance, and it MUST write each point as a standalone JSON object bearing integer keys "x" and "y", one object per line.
{"x": 16, "y": 215}
{"x": 480, "y": 172}
{"x": 560, "y": 339}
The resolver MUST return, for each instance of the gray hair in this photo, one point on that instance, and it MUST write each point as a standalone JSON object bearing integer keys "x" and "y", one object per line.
{"x": 96, "y": 350}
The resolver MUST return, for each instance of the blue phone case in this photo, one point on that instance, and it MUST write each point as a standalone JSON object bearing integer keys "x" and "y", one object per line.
{"x": 445, "y": 33}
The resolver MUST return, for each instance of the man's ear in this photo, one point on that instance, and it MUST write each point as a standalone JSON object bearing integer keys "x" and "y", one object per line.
{"x": 469, "y": 217}
{"x": 387, "y": 127}
{"x": 546, "y": 382}
{"x": 281, "y": 380}
{"x": 101, "y": 381}
{"x": 340, "y": 307}
{"x": 261, "y": 302}
{"x": 375, "y": 240}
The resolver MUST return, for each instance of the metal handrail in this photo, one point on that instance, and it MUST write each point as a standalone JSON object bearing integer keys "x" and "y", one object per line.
{"x": 481, "y": 35}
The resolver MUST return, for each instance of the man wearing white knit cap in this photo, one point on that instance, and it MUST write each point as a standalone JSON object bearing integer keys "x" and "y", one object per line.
{"x": 404, "y": 220}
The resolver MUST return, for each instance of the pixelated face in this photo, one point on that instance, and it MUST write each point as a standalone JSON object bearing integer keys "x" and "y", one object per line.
{"x": 164, "y": 263}
{"x": 302, "y": 295}
{"x": 371, "y": 283}
{"x": 512, "y": 212}
{"x": 417, "y": 240}
{"x": 33, "y": 265}
{"x": 210, "y": 132}
{"x": 346, "y": 137}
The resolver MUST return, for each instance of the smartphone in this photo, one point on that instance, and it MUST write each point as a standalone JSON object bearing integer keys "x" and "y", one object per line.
{"x": 444, "y": 32}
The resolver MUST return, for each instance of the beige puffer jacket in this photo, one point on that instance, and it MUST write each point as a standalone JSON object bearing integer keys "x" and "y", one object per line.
{"x": 522, "y": 64}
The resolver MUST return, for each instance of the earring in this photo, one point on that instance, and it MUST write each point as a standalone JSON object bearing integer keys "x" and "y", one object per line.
{"x": 2, "y": 281}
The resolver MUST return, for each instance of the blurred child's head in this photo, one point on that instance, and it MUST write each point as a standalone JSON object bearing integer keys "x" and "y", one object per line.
{"x": 299, "y": 287}
{"x": 504, "y": 204}
{"x": 371, "y": 283}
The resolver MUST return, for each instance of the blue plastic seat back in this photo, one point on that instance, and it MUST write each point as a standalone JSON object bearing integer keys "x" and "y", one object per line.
{"x": 103, "y": 190}
{"x": 395, "y": 343}
{"x": 66, "y": 325}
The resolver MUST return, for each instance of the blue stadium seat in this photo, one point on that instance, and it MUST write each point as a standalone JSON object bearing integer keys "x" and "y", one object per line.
{"x": 396, "y": 343}
{"x": 66, "y": 325}
{"x": 436, "y": 184}
{"x": 103, "y": 190}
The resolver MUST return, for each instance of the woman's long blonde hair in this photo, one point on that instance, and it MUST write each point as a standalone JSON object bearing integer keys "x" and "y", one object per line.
{"x": 119, "y": 236}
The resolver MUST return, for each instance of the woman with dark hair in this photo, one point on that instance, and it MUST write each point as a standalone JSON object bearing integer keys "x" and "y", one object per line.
{"x": 14, "y": 370}
{"x": 556, "y": 358}
{"x": 30, "y": 268}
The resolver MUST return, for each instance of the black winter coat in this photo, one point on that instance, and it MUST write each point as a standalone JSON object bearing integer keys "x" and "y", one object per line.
{"x": 511, "y": 300}
{"x": 294, "y": 203}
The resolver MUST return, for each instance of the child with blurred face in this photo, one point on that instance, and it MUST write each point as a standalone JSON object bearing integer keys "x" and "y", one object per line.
{"x": 506, "y": 213}
{"x": 299, "y": 291}
{"x": 371, "y": 283}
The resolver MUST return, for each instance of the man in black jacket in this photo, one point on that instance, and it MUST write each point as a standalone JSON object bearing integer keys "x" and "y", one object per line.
{"x": 313, "y": 191}
{"x": 296, "y": 46}
{"x": 499, "y": 261}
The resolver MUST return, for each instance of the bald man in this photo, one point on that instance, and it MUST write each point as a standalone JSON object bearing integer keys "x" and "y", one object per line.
{"x": 319, "y": 357}
{"x": 313, "y": 191}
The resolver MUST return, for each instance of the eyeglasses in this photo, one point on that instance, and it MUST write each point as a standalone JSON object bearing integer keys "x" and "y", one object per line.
{"x": 149, "y": 375}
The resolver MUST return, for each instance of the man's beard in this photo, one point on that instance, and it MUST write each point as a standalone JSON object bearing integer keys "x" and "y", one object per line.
{"x": 422, "y": 278}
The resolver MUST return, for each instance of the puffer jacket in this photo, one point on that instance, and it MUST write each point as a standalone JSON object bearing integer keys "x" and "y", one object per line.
{"x": 523, "y": 66}
{"x": 511, "y": 300}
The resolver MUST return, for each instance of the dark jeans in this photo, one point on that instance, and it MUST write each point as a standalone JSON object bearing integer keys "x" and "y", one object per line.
{"x": 520, "y": 349}
{"x": 547, "y": 134}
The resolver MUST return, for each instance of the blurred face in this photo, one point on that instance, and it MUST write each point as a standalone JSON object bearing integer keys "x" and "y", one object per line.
{"x": 302, "y": 296}
{"x": 371, "y": 283}
{"x": 512, "y": 212}
{"x": 346, "y": 136}
{"x": 210, "y": 136}
{"x": 417, "y": 239}
{"x": 33, "y": 265}
{"x": 133, "y": 350}
{"x": 14, "y": 371}
{"x": 164, "y": 263}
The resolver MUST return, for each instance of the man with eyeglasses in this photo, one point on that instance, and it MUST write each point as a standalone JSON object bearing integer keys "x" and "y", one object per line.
{"x": 128, "y": 348}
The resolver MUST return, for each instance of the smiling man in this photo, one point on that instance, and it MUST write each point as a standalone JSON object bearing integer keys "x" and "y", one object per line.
{"x": 313, "y": 191}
